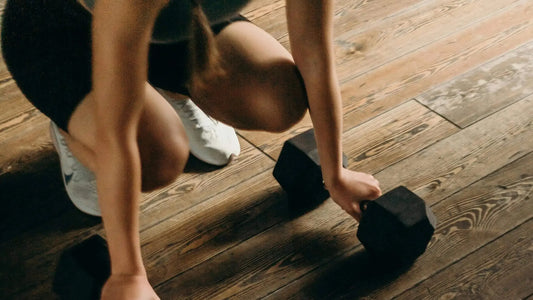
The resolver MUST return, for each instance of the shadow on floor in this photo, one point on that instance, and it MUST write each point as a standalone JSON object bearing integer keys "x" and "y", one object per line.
{"x": 32, "y": 193}
{"x": 352, "y": 277}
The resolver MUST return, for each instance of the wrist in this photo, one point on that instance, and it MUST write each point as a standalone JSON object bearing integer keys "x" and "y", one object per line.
{"x": 332, "y": 178}
{"x": 128, "y": 269}
{"x": 126, "y": 260}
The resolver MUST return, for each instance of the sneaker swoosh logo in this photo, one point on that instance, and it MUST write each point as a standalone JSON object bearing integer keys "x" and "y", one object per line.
{"x": 68, "y": 177}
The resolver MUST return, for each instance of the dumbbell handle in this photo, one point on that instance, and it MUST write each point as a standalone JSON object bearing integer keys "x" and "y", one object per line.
{"x": 363, "y": 205}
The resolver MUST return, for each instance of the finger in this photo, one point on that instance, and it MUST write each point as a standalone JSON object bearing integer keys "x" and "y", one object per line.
{"x": 355, "y": 211}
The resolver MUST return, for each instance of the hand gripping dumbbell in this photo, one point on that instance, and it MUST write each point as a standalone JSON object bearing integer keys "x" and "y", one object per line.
{"x": 82, "y": 270}
{"x": 395, "y": 227}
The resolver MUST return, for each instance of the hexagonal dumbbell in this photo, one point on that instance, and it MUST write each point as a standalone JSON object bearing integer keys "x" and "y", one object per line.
{"x": 396, "y": 226}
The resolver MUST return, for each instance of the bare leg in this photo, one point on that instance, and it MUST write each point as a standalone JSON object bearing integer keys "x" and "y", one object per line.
{"x": 163, "y": 144}
{"x": 262, "y": 89}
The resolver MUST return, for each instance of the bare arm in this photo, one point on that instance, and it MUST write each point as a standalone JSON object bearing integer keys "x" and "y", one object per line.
{"x": 121, "y": 34}
{"x": 311, "y": 36}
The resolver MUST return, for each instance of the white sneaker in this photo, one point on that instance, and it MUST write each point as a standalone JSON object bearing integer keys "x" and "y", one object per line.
{"x": 209, "y": 140}
{"x": 79, "y": 181}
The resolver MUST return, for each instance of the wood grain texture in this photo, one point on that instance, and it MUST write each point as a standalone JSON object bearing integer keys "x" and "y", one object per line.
{"x": 271, "y": 258}
{"x": 393, "y": 136}
{"x": 476, "y": 94}
{"x": 453, "y": 163}
{"x": 421, "y": 70}
{"x": 501, "y": 270}
{"x": 416, "y": 128}
{"x": 214, "y": 226}
{"x": 411, "y": 29}
{"x": 467, "y": 221}
{"x": 276, "y": 265}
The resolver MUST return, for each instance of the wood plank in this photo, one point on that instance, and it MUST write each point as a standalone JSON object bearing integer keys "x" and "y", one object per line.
{"x": 23, "y": 140}
{"x": 282, "y": 254}
{"x": 210, "y": 228}
{"x": 498, "y": 271}
{"x": 249, "y": 270}
{"x": 459, "y": 160}
{"x": 408, "y": 76}
{"x": 187, "y": 192}
{"x": 468, "y": 220}
{"x": 393, "y": 136}
{"x": 4, "y": 73}
{"x": 350, "y": 16}
{"x": 259, "y": 8}
{"x": 411, "y": 30}
{"x": 476, "y": 94}
{"x": 417, "y": 72}
{"x": 12, "y": 100}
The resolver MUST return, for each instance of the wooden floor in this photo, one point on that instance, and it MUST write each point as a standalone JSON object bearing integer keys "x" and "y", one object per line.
{"x": 438, "y": 96}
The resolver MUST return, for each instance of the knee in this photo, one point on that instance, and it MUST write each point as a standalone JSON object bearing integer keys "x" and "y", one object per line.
{"x": 285, "y": 116}
{"x": 165, "y": 163}
{"x": 288, "y": 99}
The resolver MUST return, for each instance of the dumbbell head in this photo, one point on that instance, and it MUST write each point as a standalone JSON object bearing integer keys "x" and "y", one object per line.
{"x": 397, "y": 226}
{"x": 298, "y": 170}
{"x": 82, "y": 270}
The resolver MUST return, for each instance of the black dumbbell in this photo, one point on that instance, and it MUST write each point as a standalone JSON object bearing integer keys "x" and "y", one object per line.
{"x": 395, "y": 227}
{"x": 82, "y": 270}
{"x": 298, "y": 171}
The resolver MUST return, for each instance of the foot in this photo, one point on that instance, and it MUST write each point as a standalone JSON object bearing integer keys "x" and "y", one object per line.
{"x": 79, "y": 181}
{"x": 209, "y": 140}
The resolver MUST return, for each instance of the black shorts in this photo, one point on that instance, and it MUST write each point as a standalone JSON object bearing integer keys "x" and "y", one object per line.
{"x": 47, "y": 48}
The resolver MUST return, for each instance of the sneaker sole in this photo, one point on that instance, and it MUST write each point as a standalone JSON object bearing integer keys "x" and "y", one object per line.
{"x": 80, "y": 206}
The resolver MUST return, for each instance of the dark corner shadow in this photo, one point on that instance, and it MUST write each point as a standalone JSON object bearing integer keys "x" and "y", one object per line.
{"x": 353, "y": 277}
{"x": 32, "y": 193}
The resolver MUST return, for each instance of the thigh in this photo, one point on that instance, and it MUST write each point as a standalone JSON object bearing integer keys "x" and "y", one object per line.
{"x": 261, "y": 87}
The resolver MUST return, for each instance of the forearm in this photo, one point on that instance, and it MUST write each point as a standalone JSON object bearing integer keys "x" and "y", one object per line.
{"x": 311, "y": 36}
{"x": 121, "y": 33}
{"x": 325, "y": 108}
{"x": 118, "y": 183}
